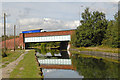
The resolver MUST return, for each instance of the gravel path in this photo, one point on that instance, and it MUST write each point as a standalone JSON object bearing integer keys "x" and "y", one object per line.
{"x": 9, "y": 68}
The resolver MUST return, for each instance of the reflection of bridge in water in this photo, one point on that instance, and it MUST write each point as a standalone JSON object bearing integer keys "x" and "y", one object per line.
{"x": 62, "y": 62}
{"x": 56, "y": 63}
{"x": 58, "y": 67}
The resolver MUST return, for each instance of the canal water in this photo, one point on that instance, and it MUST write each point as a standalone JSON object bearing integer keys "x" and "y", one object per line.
{"x": 64, "y": 64}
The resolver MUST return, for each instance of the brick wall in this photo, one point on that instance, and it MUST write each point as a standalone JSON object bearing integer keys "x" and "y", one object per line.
{"x": 10, "y": 43}
{"x": 53, "y": 33}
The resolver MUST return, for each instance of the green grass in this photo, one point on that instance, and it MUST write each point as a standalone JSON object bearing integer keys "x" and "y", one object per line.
{"x": 27, "y": 68}
{"x": 11, "y": 56}
{"x": 99, "y": 48}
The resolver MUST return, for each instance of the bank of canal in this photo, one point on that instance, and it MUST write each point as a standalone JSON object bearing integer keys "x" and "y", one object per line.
{"x": 65, "y": 64}
{"x": 27, "y": 67}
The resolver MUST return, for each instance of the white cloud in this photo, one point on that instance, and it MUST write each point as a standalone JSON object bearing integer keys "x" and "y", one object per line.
{"x": 72, "y": 24}
{"x": 64, "y": 11}
{"x": 29, "y": 21}
{"x": 46, "y": 24}
{"x": 39, "y": 23}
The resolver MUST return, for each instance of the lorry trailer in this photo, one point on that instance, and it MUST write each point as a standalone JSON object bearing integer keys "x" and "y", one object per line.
{"x": 32, "y": 31}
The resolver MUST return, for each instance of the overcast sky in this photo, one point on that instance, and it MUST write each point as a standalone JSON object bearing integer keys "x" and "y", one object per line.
{"x": 51, "y": 15}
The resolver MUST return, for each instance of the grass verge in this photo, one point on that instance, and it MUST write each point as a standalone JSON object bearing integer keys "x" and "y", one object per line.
{"x": 92, "y": 56}
{"x": 11, "y": 56}
{"x": 99, "y": 48}
{"x": 27, "y": 68}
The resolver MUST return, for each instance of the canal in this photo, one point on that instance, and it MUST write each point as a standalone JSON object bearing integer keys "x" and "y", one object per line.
{"x": 64, "y": 64}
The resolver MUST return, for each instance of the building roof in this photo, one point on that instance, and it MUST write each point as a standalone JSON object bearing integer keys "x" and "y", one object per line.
{"x": 32, "y": 29}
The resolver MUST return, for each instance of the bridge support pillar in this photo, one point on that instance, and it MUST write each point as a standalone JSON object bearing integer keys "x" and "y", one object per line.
{"x": 68, "y": 47}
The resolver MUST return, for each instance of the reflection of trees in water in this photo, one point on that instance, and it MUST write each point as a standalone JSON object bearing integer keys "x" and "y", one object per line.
{"x": 44, "y": 51}
{"x": 37, "y": 50}
{"x": 95, "y": 68}
{"x": 54, "y": 51}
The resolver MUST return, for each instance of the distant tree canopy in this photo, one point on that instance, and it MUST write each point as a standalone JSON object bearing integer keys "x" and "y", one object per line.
{"x": 96, "y": 30}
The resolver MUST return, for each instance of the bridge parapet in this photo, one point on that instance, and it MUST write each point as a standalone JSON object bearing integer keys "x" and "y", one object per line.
{"x": 52, "y": 33}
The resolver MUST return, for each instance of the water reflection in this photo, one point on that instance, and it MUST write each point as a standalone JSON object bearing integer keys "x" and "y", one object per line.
{"x": 56, "y": 64}
{"x": 61, "y": 64}
{"x": 52, "y": 53}
{"x": 60, "y": 73}
{"x": 91, "y": 67}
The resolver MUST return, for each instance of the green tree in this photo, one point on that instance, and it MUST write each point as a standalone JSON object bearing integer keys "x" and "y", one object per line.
{"x": 37, "y": 44}
{"x": 31, "y": 44}
{"x": 92, "y": 29}
{"x": 112, "y": 35}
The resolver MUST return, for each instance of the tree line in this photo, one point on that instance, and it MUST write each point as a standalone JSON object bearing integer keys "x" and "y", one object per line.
{"x": 7, "y": 37}
{"x": 96, "y": 30}
{"x": 45, "y": 45}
